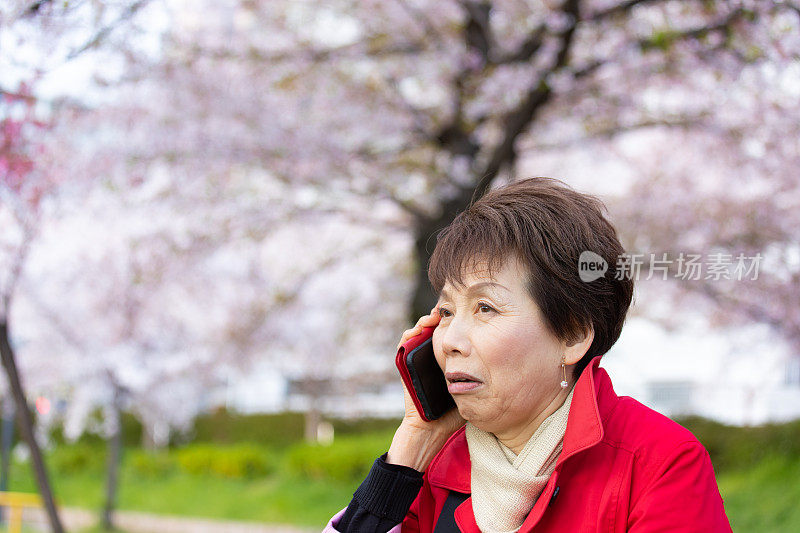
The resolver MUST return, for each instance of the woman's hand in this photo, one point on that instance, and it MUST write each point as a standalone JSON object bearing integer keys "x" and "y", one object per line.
{"x": 416, "y": 442}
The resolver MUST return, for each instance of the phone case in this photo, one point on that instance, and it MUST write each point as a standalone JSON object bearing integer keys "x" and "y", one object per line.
{"x": 422, "y": 376}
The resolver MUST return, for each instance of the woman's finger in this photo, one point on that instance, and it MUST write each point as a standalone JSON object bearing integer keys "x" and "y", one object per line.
{"x": 423, "y": 322}
{"x": 424, "y": 319}
{"x": 407, "y": 334}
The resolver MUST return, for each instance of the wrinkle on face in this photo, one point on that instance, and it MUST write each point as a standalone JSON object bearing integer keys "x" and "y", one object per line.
{"x": 511, "y": 349}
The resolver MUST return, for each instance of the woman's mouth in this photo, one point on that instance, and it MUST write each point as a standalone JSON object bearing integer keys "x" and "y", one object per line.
{"x": 460, "y": 382}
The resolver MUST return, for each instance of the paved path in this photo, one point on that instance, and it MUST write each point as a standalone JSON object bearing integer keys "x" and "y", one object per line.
{"x": 129, "y": 521}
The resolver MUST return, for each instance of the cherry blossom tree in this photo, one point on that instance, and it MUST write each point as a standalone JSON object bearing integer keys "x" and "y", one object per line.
{"x": 716, "y": 180}
{"x": 109, "y": 285}
{"x": 23, "y": 184}
{"x": 429, "y": 104}
{"x": 39, "y": 38}
{"x": 269, "y": 114}
{"x": 258, "y": 124}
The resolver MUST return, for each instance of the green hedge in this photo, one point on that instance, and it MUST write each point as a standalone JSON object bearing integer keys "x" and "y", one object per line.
{"x": 74, "y": 459}
{"x": 348, "y": 459}
{"x": 239, "y": 461}
{"x": 242, "y": 461}
{"x": 222, "y": 427}
{"x": 276, "y": 430}
{"x": 279, "y": 430}
{"x": 735, "y": 447}
{"x": 151, "y": 464}
{"x": 730, "y": 447}
{"x": 131, "y": 432}
{"x": 364, "y": 425}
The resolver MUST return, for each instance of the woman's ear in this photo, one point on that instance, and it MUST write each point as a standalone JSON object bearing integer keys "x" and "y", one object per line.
{"x": 577, "y": 348}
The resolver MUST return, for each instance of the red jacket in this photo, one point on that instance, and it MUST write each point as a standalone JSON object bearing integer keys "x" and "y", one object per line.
{"x": 623, "y": 467}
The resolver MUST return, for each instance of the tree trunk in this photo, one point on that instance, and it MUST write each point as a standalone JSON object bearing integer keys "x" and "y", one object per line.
{"x": 6, "y": 442}
{"x": 424, "y": 298}
{"x": 112, "y": 465}
{"x": 427, "y": 229}
{"x": 25, "y": 421}
{"x": 426, "y": 232}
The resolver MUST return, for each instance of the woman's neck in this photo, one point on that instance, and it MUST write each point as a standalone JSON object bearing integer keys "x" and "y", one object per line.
{"x": 517, "y": 437}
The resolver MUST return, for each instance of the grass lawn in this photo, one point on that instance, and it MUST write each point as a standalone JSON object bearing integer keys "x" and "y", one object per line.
{"x": 761, "y": 498}
{"x": 276, "y": 499}
{"x": 285, "y": 495}
{"x": 764, "y": 498}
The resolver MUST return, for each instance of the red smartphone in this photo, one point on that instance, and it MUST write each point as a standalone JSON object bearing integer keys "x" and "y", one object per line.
{"x": 422, "y": 376}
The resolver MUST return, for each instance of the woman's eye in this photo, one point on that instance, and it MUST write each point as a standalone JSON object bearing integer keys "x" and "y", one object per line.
{"x": 443, "y": 312}
{"x": 486, "y": 308}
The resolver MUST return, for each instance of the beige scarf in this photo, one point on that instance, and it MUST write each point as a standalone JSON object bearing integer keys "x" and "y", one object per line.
{"x": 505, "y": 486}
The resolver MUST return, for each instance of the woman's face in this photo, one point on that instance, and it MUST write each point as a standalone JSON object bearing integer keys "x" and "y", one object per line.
{"x": 493, "y": 335}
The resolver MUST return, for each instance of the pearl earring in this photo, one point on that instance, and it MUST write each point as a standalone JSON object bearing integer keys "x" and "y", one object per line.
{"x": 564, "y": 383}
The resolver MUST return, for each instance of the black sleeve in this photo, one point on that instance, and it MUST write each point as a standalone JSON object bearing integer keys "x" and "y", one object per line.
{"x": 383, "y": 499}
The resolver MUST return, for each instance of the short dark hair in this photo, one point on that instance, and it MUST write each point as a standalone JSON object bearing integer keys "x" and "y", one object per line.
{"x": 547, "y": 225}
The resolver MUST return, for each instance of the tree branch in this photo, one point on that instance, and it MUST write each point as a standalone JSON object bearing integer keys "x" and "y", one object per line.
{"x": 617, "y": 9}
{"x": 18, "y": 262}
{"x": 104, "y": 32}
{"x": 29, "y": 98}
{"x": 408, "y": 207}
{"x": 423, "y": 21}
{"x": 519, "y": 119}
{"x": 618, "y": 129}
{"x": 664, "y": 39}
{"x": 358, "y": 49}
{"x": 478, "y": 31}
{"x": 526, "y": 50}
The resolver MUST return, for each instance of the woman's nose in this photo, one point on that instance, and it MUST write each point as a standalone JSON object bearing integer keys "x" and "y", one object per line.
{"x": 455, "y": 340}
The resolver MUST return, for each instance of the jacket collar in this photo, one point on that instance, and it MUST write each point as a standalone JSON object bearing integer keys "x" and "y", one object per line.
{"x": 594, "y": 395}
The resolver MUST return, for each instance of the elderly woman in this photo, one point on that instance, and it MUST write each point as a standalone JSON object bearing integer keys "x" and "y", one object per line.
{"x": 547, "y": 444}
